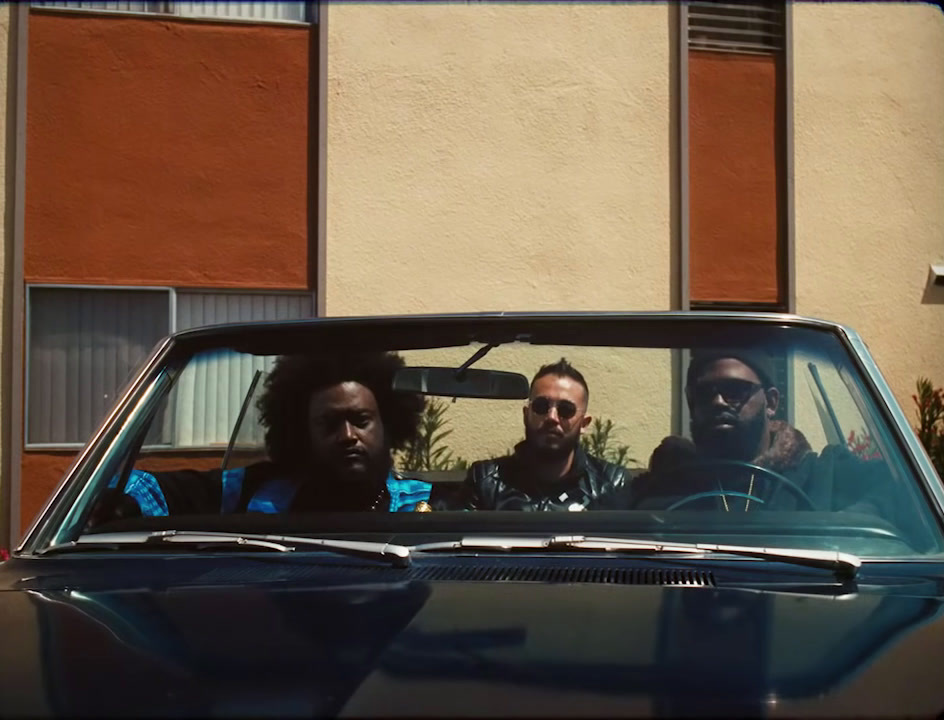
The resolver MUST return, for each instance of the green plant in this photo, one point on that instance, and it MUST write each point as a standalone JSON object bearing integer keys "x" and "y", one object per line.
{"x": 427, "y": 450}
{"x": 930, "y": 430}
{"x": 600, "y": 443}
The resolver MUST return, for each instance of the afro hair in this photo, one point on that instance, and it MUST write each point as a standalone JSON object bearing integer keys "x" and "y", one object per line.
{"x": 283, "y": 406}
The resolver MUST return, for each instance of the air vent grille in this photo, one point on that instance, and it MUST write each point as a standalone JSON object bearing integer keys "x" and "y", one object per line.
{"x": 756, "y": 28}
{"x": 462, "y": 572}
{"x": 592, "y": 575}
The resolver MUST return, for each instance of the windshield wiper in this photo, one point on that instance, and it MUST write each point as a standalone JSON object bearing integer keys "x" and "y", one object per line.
{"x": 843, "y": 564}
{"x": 397, "y": 555}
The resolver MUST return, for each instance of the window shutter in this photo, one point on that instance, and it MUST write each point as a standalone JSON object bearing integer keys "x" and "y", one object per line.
{"x": 210, "y": 391}
{"x": 736, "y": 27}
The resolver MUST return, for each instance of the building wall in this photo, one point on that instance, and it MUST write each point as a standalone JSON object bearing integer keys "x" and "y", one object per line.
{"x": 505, "y": 157}
{"x": 498, "y": 157}
{"x": 163, "y": 151}
{"x": 166, "y": 152}
{"x": 869, "y": 178}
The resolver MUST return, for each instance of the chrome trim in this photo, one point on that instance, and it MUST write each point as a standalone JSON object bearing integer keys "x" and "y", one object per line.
{"x": 130, "y": 398}
{"x": 897, "y": 420}
{"x": 119, "y": 438}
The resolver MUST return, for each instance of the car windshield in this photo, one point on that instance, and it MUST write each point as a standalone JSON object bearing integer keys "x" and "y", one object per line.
{"x": 720, "y": 431}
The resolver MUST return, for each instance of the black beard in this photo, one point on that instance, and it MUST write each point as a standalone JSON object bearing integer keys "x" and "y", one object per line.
{"x": 327, "y": 490}
{"x": 740, "y": 443}
{"x": 543, "y": 453}
{"x": 344, "y": 480}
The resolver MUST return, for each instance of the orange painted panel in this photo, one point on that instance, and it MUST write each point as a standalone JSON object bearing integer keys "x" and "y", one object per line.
{"x": 735, "y": 179}
{"x": 166, "y": 152}
{"x": 42, "y": 472}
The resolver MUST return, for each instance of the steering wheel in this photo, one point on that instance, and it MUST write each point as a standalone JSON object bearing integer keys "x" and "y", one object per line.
{"x": 786, "y": 482}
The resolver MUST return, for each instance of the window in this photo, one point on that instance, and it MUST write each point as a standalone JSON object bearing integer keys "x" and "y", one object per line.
{"x": 284, "y": 11}
{"x": 736, "y": 27}
{"x": 83, "y": 344}
{"x": 737, "y": 156}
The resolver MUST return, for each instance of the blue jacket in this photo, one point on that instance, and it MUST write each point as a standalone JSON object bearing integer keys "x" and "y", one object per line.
{"x": 274, "y": 495}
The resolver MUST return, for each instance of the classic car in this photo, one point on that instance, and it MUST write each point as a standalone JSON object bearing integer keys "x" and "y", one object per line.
{"x": 805, "y": 579}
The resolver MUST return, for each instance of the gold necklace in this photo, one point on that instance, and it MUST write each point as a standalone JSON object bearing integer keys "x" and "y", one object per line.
{"x": 747, "y": 502}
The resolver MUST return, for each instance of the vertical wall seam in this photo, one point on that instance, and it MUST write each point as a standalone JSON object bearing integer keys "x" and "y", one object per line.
{"x": 17, "y": 315}
{"x": 321, "y": 168}
{"x": 684, "y": 299}
{"x": 789, "y": 206}
{"x": 680, "y": 415}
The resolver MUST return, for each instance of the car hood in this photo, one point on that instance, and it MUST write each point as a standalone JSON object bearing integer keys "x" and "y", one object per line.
{"x": 269, "y": 636}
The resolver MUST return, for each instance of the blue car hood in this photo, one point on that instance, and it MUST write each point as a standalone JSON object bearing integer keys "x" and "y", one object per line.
{"x": 267, "y": 636}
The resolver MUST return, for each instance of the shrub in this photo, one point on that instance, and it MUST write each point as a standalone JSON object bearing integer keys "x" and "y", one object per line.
{"x": 599, "y": 443}
{"x": 930, "y": 430}
{"x": 428, "y": 451}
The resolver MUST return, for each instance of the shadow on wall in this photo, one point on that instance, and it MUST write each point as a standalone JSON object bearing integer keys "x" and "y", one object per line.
{"x": 933, "y": 293}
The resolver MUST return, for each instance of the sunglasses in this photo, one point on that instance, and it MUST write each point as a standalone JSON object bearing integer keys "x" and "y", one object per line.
{"x": 542, "y": 406}
{"x": 732, "y": 391}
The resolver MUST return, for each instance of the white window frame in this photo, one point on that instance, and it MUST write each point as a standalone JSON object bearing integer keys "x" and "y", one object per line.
{"x": 167, "y": 9}
{"x": 171, "y": 324}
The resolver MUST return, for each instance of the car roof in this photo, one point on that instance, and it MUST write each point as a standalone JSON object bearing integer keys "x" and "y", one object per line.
{"x": 472, "y": 327}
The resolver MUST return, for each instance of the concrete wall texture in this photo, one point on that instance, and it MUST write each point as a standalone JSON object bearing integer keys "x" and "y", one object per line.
{"x": 486, "y": 157}
{"x": 869, "y": 177}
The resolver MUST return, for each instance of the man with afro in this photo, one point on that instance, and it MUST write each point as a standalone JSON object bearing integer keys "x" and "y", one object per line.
{"x": 332, "y": 422}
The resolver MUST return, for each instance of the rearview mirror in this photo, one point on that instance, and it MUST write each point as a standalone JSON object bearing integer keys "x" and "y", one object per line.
{"x": 472, "y": 383}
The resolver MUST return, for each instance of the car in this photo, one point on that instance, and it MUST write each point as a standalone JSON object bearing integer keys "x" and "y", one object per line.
{"x": 700, "y": 581}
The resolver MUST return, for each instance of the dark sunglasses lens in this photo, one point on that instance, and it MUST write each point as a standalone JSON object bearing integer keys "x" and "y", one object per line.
{"x": 566, "y": 409}
{"x": 541, "y": 406}
{"x": 736, "y": 391}
{"x": 732, "y": 391}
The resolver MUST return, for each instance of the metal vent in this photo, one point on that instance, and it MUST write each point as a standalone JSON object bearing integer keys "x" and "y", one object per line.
{"x": 592, "y": 575}
{"x": 756, "y": 28}
{"x": 460, "y": 572}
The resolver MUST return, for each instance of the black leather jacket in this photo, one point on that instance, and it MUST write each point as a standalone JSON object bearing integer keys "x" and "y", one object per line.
{"x": 505, "y": 484}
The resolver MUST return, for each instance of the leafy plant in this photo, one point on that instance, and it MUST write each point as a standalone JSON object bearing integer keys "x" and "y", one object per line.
{"x": 600, "y": 443}
{"x": 428, "y": 451}
{"x": 930, "y": 430}
{"x": 863, "y": 445}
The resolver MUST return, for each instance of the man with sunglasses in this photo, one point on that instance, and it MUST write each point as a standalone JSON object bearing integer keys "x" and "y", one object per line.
{"x": 738, "y": 449}
{"x": 548, "y": 470}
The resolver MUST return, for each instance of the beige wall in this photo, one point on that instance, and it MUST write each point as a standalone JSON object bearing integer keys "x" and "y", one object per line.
{"x": 629, "y": 386}
{"x": 869, "y": 174}
{"x": 503, "y": 157}
{"x": 497, "y": 156}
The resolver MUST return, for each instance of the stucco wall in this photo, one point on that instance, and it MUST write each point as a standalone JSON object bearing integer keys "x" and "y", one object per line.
{"x": 505, "y": 157}
{"x": 166, "y": 152}
{"x": 869, "y": 174}
{"x": 497, "y": 156}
